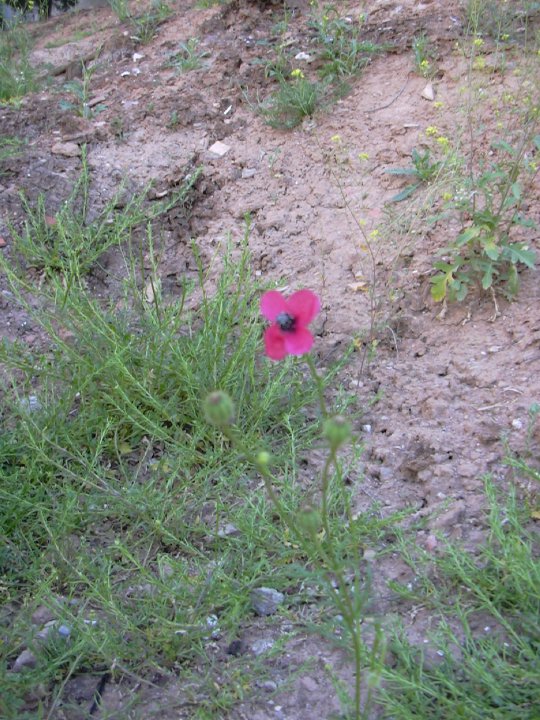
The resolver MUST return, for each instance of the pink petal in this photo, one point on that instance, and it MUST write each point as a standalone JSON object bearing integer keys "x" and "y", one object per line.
{"x": 298, "y": 342}
{"x": 273, "y": 303}
{"x": 303, "y": 306}
{"x": 274, "y": 343}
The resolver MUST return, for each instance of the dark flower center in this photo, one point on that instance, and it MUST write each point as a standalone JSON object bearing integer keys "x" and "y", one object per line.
{"x": 285, "y": 321}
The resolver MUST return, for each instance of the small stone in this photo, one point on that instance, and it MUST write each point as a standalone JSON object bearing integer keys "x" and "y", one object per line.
{"x": 261, "y": 646}
{"x": 265, "y": 601}
{"x": 452, "y": 517}
{"x": 248, "y": 173}
{"x": 517, "y": 424}
{"x": 137, "y": 56}
{"x": 269, "y": 686}
{"x": 428, "y": 93}
{"x": 42, "y": 615}
{"x": 303, "y": 56}
{"x": 67, "y": 149}
{"x": 3, "y": 242}
{"x": 219, "y": 148}
{"x": 31, "y": 403}
{"x": 228, "y": 530}
{"x": 26, "y": 659}
{"x": 367, "y": 429}
{"x": 309, "y": 684}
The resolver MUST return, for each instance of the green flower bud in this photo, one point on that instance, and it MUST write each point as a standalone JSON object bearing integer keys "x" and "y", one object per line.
{"x": 263, "y": 459}
{"x": 336, "y": 430}
{"x": 219, "y": 409}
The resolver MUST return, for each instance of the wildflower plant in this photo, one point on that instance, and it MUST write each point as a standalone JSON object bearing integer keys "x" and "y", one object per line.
{"x": 311, "y": 526}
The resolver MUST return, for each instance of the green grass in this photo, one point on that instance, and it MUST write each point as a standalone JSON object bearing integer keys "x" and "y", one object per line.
{"x": 115, "y": 490}
{"x": 10, "y": 147}
{"x": 487, "y": 634}
{"x": 68, "y": 243}
{"x": 17, "y": 77}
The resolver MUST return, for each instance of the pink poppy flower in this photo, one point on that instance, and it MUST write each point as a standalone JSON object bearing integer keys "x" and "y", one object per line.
{"x": 288, "y": 335}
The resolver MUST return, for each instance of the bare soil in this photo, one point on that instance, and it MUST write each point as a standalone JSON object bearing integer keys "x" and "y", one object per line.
{"x": 448, "y": 387}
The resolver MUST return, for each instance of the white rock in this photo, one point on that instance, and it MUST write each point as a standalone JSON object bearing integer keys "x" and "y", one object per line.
{"x": 219, "y": 148}
{"x": 428, "y": 93}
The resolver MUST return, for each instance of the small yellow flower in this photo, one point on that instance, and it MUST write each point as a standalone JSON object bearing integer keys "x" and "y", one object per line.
{"x": 363, "y": 156}
{"x": 447, "y": 196}
{"x": 363, "y": 222}
{"x": 505, "y": 36}
{"x": 432, "y": 131}
{"x": 444, "y": 142}
{"x": 479, "y": 63}
{"x": 438, "y": 104}
{"x": 478, "y": 42}
{"x": 297, "y": 73}
{"x": 374, "y": 234}
{"x": 336, "y": 139}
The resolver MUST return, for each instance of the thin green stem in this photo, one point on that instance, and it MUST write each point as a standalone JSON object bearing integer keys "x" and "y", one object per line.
{"x": 319, "y": 383}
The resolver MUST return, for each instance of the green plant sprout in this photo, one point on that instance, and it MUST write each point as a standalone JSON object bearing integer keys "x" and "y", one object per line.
{"x": 343, "y": 53}
{"x": 484, "y": 254}
{"x": 80, "y": 90}
{"x": 188, "y": 57}
{"x": 424, "y": 56}
{"x": 423, "y": 170}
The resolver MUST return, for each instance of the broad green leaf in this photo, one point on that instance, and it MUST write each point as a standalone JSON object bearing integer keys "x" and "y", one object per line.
{"x": 438, "y": 287}
{"x": 491, "y": 249}
{"x": 401, "y": 171}
{"x": 468, "y": 235}
{"x": 512, "y": 283}
{"x": 521, "y": 253}
{"x": 516, "y": 191}
{"x": 461, "y": 292}
{"x": 405, "y": 193}
{"x": 503, "y": 145}
{"x": 487, "y": 278}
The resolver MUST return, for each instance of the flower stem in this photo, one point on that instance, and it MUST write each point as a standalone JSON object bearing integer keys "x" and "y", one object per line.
{"x": 319, "y": 383}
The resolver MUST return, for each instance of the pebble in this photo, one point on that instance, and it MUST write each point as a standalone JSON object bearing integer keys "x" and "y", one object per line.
{"x": 452, "y": 517}
{"x": 26, "y": 659}
{"x": 248, "y": 173}
{"x": 261, "y": 646}
{"x": 67, "y": 149}
{"x": 309, "y": 684}
{"x": 219, "y": 148}
{"x": 428, "y": 93}
{"x": 268, "y": 686}
{"x": 42, "y": 615}
{"x": 31, "y": 403}
{"x": 265, "y": 601}
{"x": 228, "y": 530}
